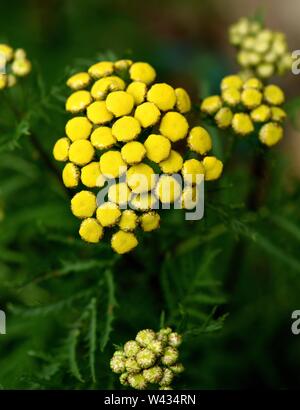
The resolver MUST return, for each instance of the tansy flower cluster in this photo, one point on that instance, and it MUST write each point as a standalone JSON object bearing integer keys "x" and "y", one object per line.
{"x": 151, "y": 360}
{"x": 13, "y": 64}
{"x": 261, "y": 52}
{"x": 246, "y": 104}
{"x": 125, "y": 131}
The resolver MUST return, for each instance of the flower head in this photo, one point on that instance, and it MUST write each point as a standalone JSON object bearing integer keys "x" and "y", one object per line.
{"x": 14, "y": 65}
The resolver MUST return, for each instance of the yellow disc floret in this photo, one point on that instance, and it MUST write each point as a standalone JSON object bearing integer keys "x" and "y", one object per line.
{"x": 213, "y": 168}
{"x": 78, "y": 81}
{"x": 102, "y": 138}
{"x": 168, "y": 189}
{"x": 199, "y": 140}
{"x": 91, "y": 175}
{"x": 143, "y": 72}
{"x": 183, "y": 101}
{"x": 162, "y": 95}
{"x": 242, "y": 124}
{"x": 101, "y": 69}
{"x": 78, "y": 128}
{"x": 97, "y": 113}
{"x": 126, "y": 129}
{"x": 174, "y": 126}
{"x": 123, "y": 242}
{"x": 128, "y": 221}
{"x": 157, "y": 147}
{"x": 273, "y": 95}
{"x": 61, "y": 149}
{"x": 223, "y": 117}
{"x": 147, "y": 114}
{"x": 231, "y": 81}
{"x": 172, "y": 164}
{"x": 105, "y": 85}
{"x": 70, "y": 175}
{"x": 210, "y": 105}
{"x": 83, "y": 204}
{"x": 81, "y": 152}
{"x": 261, "y": 113}
{"x": 108, "y": 214}
{"x": 119, "y": 193}
{"x": 112, "y": 164}
{"x": 78, "y": 101}
{"x": 133, "y": 152}
{"x": 119, "y": 103}
{"x": 90, "y": 230}
{"x": 140, "y": 178}
{"x": 138, "y": 91}
{"x": 193, "y": 171}
{"x": 270, "y": 134}
{"x": 150, "y": 221}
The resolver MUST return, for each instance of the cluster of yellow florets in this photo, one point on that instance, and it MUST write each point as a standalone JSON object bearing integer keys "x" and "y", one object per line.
{"x": 261, "y": 52}
{"x": 127, "y": 130}
{"x": 151, "y": 360}
{"x": 13, "y": 64}
{"x": 246, "y": 104}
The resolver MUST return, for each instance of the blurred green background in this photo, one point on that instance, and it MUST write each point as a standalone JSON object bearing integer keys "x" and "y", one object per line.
{"x": 242, "y": 259}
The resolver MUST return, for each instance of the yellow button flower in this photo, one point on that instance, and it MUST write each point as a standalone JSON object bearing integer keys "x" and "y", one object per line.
{"x": 119, "y": 103}
{"x": 210, "y": 105}
{"x": 265, "y": 70}
{"x": 223, "y": 117}
{"x": 143, "y": 202}
{"x": 126, "y": 129}
{"x": 157, "y": 147}
{"x": 192, "y": 170}
{"x": 133, "y": 152}
{"x": 78, "y": 101}
{"x": 278, "y": 114}
{"x": 79, "y": 81}
{"x": 168, "y": 189}
{"x": 101, "y": 69}
{"x": 138, "y": 91}
{"x": 123, "y": 242}
{"x": 123, "y": 64}
{"x": 119, "y": 193}
{"x": 128, "y": 221}
{"x": 273, "y": 95}
{"x": 253, "y": 83}
{"x": 189, "y": 197}
{"x": 78, "y": 128}
{"x": 21, "y": 67}
{"x": 81, "y": 152}
{"x": 140, "y": 178}
{"x": 112, "y": 164}
{"x": 199, "y": 140}
{"x": 7, "y": 51}
{"x": 98, "y": 113}
{"x": 83, "y": 204}
{"x": 90, "y": 230}
{"x": 213, "y": 168}
{"x": 61, "y": 149}
{"x": 261, "y": 113}
{"x": 143, "y": 72}
{"x": 102, "y": 87}
{"x": 3, "y": 81}
{"x": 231, "y": 81}
{"x": 242, "y": 124}
{"x": 174, "y": 126}
{"x": 70, "y": 175}
{"x": 231, "y": 96}
{"x": 91, "y": 175}
{"x": 251, "y": 98}
{"x": 270, "y": 134}
{"x": 172, "y": 164}
{"x": 108, "y": 214}
{"x": 183, "y": 101}
{"x": 102, "y": 138}
{"x": 150, "y": 221}
{"x": 147, "y": 114}
{"x": 162, "y": 95}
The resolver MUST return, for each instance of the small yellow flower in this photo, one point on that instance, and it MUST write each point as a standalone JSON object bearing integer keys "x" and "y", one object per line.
{"x": 21, "y": 67}
{"x": 7, "y": 51}
{"x": 102, "y": 87}
{"x": 108, "y": 214}
{"x": 91, "y": 175}
{"x": 273, "y": 95}
{"x": 191, "y": 170}
{"x": 278, "y": 114}
{"x": 210, "y": 105}
{"x": 123, "y": 242}
{"x": 261, "y": 113}
{"x": 143, "y": 72}
{"x": 224, "y": 117}
{"x": 199, "y": 140}
{"x": 78, "y": 81}
{"x": 183, "y": 101}
{"x": 78, "y": 101}
{"x": 242, "y": 124}
{"x": 253, "y": 83}
{"x": 172, "y": 164}
{"x": 162, "y": 95}
{"x": 213, "y": 168}
{"x": 168, "y": 189}
{"x": 265, "y": 70}
{"x": 231, "y": 81}
{"x": 90, "y": 230}
{"x": 133, "y": 152}
{"x": 270, "y": 134}
{"x": 112, "y": 164}
{"x": 137, "y": 381}
{"x": 102, "y": 69}
{"x": 189, "y": 197}
{"x": 122, "y": 64}
{"x": 126, "y": 129}
{"x": 83, "y": 204}
{"x": 157, "y": 147}
{"x": 138, "y": 91}
{"x": 70, "y": 175}
{"x": 81, "y": 152}
{"x": 61, "y": 149}
{"x": 102, "y": 138}
{"x": 147, "y": 114}
{"x": 231, "y": 96}
{"x": 140, "y": 178}
{"x": 78, "y": 128}
{"x": 174, "y": 126}
{"x": 119, "y": 193}
{"x": 251, "y": 98}
{"x": 149, "y": 221}
{"x": 143, "y": 202}
{"x": 119, "y": 103}
{"x": 97, "y": 113}
{"x": 128, "y": 221}
{"x": 3, "y": 81}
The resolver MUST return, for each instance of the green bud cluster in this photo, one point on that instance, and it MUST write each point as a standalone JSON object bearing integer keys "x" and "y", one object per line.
{"x": 261, "y": 52}
{"x": 150, "y": 360}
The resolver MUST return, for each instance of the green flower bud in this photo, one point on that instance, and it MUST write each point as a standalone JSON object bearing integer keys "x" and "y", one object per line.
{"x": 170, "y": 356}
{"x": 132, "y": 365}
{"x": 174, "y": 339}
{"x": 145, "y": 358}
{"x": 144, "y": 337}
{"x": 167, "y": 378}
{"x": 137, "y": 381}
{"x": 177, "y": 368}
{"x": 153, "y": 375}
{"x": 124, "y": 379}
{"x": 131, "y": 348}
{"x": 117, "y": 363}
{"x": 157, "y": 347}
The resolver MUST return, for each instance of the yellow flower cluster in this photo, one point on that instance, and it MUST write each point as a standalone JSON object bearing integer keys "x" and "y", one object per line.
{"x": 128, "y": 129}
{"x": 261, "y": 52}
{"x": 246, "y": 104}
{"x": 150, "y": 360}
{"x": 13, "y": 64}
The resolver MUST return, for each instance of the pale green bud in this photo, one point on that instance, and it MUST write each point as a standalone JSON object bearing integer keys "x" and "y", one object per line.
{"x": 174, "y": 339}
{"x": 131, "y": 348}
{"x": 177, "y": 368}
{"x": 117, "y": 363}
{"x": 144, "y": 337}
{"x": 132, "y": 365}
{"x": 124, "y": 379}
{"x": 137, "y": 381}
{"x": 167, "y": 378}
{"x": 145, "y": 358}
{"x": 153, "y": 375}
{"x": 157, "y": 346}
{"x": 170, "y": 356}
